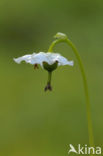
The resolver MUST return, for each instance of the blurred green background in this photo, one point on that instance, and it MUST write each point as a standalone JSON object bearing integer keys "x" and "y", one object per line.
{"x": 35, "y": 123}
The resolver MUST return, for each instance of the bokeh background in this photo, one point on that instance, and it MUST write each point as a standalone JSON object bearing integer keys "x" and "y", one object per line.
{"x": 35, "y": 123}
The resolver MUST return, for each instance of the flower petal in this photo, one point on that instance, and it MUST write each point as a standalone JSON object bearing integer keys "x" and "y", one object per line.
{"x": 39, "y": 58}
{"x": 26, "y": 58}
{"x": 52, "y": 57}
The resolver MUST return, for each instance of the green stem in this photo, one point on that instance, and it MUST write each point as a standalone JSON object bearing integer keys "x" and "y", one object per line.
{"x": 66, "y": 40}
{"x": 49, "y": 77}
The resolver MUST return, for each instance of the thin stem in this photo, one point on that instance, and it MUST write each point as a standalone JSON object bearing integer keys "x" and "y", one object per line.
{"x": 66, "y": 40}
{"x": 48, "y": 86}
{"x": 49, "y": 77}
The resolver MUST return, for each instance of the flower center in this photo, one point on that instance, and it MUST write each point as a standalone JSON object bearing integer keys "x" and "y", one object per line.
{"x": 49, "y": 67}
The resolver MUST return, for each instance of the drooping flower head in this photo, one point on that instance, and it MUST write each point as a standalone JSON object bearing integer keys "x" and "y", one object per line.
{"x": 48, "y": 61}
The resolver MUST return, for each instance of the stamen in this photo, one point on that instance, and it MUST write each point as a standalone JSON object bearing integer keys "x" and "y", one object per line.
{"x": 36, "y": 66}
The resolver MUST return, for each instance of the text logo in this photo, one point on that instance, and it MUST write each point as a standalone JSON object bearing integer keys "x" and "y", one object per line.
{"x": 84, "y": 150}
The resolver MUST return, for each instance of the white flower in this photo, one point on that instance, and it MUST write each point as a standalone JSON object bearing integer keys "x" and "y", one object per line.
{"x": 39, "y": 58}
{"x": 49, "y": 61}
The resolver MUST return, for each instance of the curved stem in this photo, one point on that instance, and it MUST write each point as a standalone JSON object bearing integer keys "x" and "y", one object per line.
{"x": 66, "y": 40}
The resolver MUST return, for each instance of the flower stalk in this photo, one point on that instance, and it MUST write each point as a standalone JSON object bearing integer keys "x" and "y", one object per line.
{"x": 48, "y": 86}
{"x": 63, "y": 38}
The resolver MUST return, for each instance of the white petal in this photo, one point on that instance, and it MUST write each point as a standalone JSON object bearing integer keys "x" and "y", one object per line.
{"x": 26, "y": 58}
{"x": 52, "y": 57}
{"x": 39, "y": 58}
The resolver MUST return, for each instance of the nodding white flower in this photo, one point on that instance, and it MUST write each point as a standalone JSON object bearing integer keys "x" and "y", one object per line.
{"x": 49, "y": 61}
